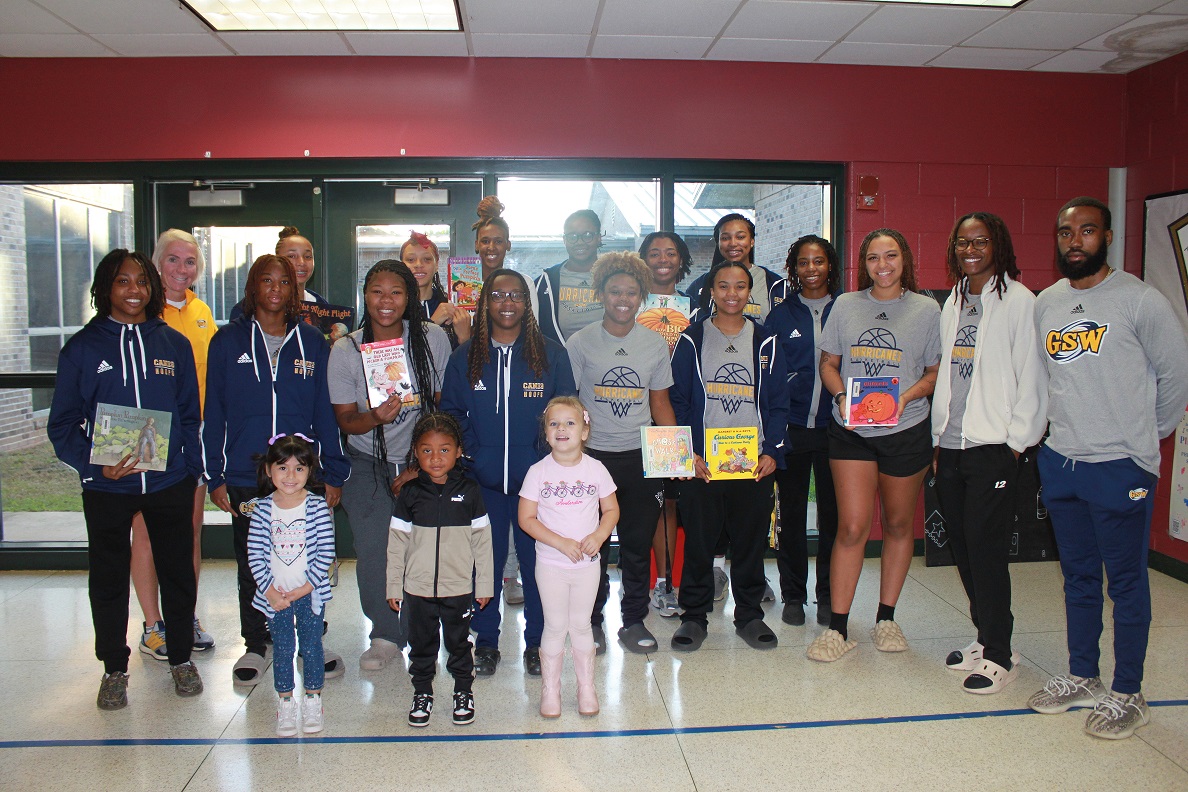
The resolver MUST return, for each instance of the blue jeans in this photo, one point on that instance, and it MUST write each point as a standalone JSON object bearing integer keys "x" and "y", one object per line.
{"x": 503, "y": 511}
{"x": 1101, "y": 514}
{"x": 297, "y": 622}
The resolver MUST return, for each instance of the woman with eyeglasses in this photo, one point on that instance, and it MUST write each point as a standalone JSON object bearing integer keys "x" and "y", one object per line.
{"x": 989, "y": 407}
{"x": 496, "y": 385}
{"x": 378, "y": 438}
{"x": 265, "y": 375}
{"x": 565, "y": 291}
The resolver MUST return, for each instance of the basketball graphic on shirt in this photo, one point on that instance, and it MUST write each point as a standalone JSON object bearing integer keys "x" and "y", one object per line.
{"x": 876, "y": 349}
{"x": 288, "y": 540}
{"x": 731, "y": 386}
{"x": 621, "y": 389}
{"x": 963, "y": 350}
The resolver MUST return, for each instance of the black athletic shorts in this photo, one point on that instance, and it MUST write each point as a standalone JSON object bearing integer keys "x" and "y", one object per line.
{"x": 902, "y": 454}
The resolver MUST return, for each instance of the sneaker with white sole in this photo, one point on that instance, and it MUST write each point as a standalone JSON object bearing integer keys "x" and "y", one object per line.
{"x": 513, "y": 591}
{"x": 152, "y": 641}
{"x": 721, "y": 584}
{"x": 829, "y": 646}
{"x": 888, "y": 637}
{"x": 664, "y": 600}
{"x": 463, "y": 707}
{"x": 313, "y": 719}
{"x": 1063, "y": 693}
{"x": 1117, "y": 716}
{"x": 422, "y": 708}
{"x": 378, "y": 655}
{"x": 287, "y": 712}
{"x": 203, "y": 641}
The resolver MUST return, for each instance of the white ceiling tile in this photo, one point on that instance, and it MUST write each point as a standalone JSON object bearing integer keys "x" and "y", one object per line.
{"x": 802, "y": 21}
{"x": 50, "y": 45}
{"x": 665, "y": 17}
{"x": 1078, "y": 61}
{"x": 1153, "y": 33}
{"x": 266, "y": 43}
{"x": 427, "y": 44}
{"x": 988, "y": 58}
{"x": 932, "y": 25}
{"x": 163, "y": 45}
{"x": 749, "y": 49}
{"x": 529, "y": 45}
{"x": 882, "y": 54}
{"x": 21, "y": 16}
{"x": 650, "y": 47}
{"x": 1095, "y": 6}
{"x": 1175, "y": 7}
{"x": 126, "y": 16}
{"x": 1028, "y": 30}
{"x": 574, "y": 17}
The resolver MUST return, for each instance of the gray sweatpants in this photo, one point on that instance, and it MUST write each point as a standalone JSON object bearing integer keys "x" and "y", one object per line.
{"x": 366, "y": 498}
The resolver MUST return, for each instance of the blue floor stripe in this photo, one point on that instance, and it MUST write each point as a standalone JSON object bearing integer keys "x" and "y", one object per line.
{"x": 572, "y": 735}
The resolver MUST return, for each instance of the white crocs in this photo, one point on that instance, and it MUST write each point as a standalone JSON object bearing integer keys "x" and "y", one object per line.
{"x": 989, "y": 678}
{"x": 888, "y": 637}
{"x": 970, "y": 658}
{"x": 829, "y": 646}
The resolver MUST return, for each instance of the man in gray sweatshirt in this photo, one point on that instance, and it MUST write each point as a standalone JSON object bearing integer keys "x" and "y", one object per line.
{"x": 1118, "y": 382}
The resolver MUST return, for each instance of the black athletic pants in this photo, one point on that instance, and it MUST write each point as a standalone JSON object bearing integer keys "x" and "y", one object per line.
{"x": 810, "y": 453}
{"x": 423, "y": 615}
{"x": 253, "y": 625}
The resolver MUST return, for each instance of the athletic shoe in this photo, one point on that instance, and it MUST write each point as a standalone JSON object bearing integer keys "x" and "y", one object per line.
{"x": 202, "y": 639}
{"x": 1062, "y": 693}
{"x": 313, "y": 719}
{"x": 1117, "y": 716}
{"x": 721, "y": 584}
{"x": 422, "y": 708}
{"x": 829, "y": 646}
{"x": 378, "y": 655}
{"x": 793, "y": 614}
{"x": 513, "y": 591}
{"x": 186, "y": 681}
{"x": 486, "y": 660}
{"x": 532, "y": 660}
{"x": 463, "y": 707}
{"x": 287, "y": 711}
{"x": 113, "y": 691}
{"x": 888, "y": 637}
{"x": 823, "y": 612}
{"x": 768, "y": 593}
{"x": 152, "y": 641}
{"x": 664, "y": 600}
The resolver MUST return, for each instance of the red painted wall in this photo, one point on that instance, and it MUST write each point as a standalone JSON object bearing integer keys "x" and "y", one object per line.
{"x": 1157, "y": 162}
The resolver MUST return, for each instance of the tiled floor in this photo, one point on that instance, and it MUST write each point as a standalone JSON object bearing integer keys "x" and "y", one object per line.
{"x": 724, "y": 718}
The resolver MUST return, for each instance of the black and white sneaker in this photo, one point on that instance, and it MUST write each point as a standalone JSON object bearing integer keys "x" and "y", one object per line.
{"x": 422, "y": 708}
{"x": 463, "y": 707}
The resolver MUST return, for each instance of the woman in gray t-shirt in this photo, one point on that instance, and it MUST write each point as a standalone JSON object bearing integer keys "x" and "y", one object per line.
{"x": 378, "y": 437}
{"x": 886, "y": 329}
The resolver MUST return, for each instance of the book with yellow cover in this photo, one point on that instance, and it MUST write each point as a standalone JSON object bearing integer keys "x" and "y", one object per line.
{"x": 732, "y": 453}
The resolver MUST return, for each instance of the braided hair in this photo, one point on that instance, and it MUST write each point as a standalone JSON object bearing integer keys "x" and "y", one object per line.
{"x": 832, "y": 280}
{"x": 1003, "y": 257}
{"x": 418, "y": 350}
{"x": 490, "y": 212}
{"x": 480, "y": 341}
{"x": 104, "y": 280}
{"x": 441, "y": 422}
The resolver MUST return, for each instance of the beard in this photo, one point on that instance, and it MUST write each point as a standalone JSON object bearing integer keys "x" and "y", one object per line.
{"x": 1088, "y": 267}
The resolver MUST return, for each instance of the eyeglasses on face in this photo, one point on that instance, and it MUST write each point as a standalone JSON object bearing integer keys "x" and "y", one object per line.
{"x": 503, "y": 296}
{"x": 978, "y": 243}
{"x": 581, "y": 236}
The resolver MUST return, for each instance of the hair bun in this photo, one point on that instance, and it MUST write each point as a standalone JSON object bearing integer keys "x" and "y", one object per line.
{"x": 490, "y": 207}
{"x": 288, "y": 231}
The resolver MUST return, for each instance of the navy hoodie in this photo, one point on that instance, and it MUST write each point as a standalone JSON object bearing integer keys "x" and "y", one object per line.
{"x": 792, "y": 322}
{"x": 246, "y": 404}
{"x": 500, "y": 415}
{"x": 548, "y": 285}
{"x": 688, "y": 388}
{"x": 148, "y": 365}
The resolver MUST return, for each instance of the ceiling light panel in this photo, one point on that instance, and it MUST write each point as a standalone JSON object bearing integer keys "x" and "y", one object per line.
{"x": 225, "y": 15}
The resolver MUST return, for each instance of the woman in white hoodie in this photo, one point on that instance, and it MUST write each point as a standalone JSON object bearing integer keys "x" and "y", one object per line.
{"x": 988, "y": 407}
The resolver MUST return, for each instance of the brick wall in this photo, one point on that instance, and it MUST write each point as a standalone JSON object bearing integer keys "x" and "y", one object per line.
{"x": 17, "y": 428}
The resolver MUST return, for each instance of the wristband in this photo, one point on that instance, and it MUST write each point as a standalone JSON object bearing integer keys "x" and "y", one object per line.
{"x": 839, "y": 398}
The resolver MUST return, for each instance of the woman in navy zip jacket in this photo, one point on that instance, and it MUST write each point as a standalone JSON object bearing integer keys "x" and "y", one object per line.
{"x": 265, "y": 375}
{"x": 706, "y": 356}
{"x": 128, "y": 357}
{"x": 735, "y": 237}
{"x": 496, "y": 385}
{"x": 814, "y": 279}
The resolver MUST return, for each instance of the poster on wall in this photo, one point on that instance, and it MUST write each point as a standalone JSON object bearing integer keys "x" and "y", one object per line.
{"x": 1165, "y": 249}
{"x": 1178, "y": 508}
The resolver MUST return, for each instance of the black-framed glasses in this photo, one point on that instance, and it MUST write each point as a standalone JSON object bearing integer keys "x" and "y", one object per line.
{"x": 514, "y": 296}
{"x": 978, "y": 243}
{"x": 581, "y": 236}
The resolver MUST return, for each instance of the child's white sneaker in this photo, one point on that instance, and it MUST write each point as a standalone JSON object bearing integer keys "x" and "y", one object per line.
{"x": 287, "y": 711}
{"x": 312, "y": 717}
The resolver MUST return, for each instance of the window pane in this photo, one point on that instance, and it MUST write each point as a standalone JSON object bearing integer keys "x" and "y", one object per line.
{"x": 43, "y": 352}
{"x": 76, "y": 263}
{"x": 229, "y": 252}
{"x": 782, "y": 213}
{"x": 536, "y": 212}
{"x": 378, "y": 242}
{"x": 40, "y": 243}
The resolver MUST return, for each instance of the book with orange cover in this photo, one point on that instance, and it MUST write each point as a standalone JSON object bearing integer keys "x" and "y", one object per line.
{"x": 872, "y": 401}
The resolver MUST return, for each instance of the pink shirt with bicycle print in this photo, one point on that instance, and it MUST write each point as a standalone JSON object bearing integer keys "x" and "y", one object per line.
{"x": 567, "y": 502}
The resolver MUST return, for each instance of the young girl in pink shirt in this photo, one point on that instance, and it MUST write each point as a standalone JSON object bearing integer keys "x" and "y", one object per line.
{"x": 560, "y": 505}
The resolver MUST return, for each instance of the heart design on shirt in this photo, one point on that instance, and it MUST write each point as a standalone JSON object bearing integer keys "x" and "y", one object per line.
{"x": 288, "y": 540}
